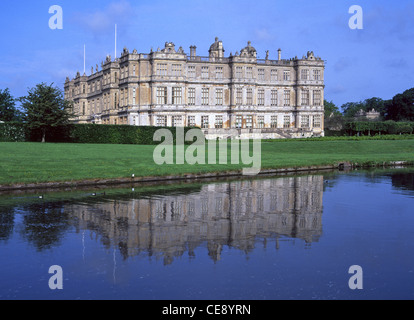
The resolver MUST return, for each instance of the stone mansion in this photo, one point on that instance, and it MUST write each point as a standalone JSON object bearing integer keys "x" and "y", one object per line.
{"x": 269, "y": 98}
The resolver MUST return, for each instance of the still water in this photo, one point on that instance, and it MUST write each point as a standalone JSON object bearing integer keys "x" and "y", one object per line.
{"x": 290, "y": 237}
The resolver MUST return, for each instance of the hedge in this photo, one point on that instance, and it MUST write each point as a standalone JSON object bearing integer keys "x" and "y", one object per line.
{"x": 86, "y": 133}
{"x": 12, "y": 132}
{"x": 117, "y": 134}
{"x": 379, "y": 127}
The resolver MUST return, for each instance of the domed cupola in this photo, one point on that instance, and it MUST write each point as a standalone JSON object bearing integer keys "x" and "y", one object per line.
{"x": 216, "y": 49}
{"x": 249, "y": 51}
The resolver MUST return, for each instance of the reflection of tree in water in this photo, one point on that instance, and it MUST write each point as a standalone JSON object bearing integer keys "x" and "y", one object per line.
{"x": 403, "y": 180}
{"x": 233, "y": 214}
{"x": 6, "y": 223}
{"x": 44, "y": 224}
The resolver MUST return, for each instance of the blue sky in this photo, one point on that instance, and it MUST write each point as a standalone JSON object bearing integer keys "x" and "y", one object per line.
{"x": 373, "y": 62}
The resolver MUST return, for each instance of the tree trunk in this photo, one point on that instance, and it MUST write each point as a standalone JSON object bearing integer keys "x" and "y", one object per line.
{"x": 43, "y": 136}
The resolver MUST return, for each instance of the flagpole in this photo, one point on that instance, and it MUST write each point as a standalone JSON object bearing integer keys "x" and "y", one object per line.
{"x": 115, "y": 43}
{"x": 84, "y": 59}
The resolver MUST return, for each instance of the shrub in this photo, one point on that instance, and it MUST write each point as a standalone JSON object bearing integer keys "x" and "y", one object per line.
{"x": 116, "y": 134}
{"x": 12, "y": 132}
{"x": 378, "y": 127}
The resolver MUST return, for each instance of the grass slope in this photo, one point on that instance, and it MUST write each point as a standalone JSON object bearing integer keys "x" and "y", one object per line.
{"x": 35, "y": 162}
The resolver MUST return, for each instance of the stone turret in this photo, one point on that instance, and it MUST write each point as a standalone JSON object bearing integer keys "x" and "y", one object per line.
{"x": 216, "y": 49}
{"x": 248, "y": 51}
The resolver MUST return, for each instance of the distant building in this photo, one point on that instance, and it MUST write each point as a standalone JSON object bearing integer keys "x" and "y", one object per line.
{"x": 278, "y": 98}
{"x": 370, "y": 115}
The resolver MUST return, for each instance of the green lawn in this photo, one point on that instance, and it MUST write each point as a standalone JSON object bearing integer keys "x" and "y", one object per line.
{"x": 36, "y": 162}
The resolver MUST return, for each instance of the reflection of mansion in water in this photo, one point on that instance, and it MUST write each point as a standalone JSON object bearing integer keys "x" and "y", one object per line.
{"x": 233, "y": 214}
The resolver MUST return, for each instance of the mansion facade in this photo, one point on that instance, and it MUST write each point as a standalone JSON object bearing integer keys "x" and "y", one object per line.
{"x": 280, "y": 98}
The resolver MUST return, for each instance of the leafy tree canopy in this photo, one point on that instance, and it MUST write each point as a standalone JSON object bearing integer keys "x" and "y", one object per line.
{"x": 8, "y": 110}
{"x": 330, "y": 108}
{"x": 401, "y": 107}
{"x": 46, "y": 108}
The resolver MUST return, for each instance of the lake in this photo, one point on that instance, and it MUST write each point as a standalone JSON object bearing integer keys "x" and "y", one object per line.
{"x": 271, "y": 237}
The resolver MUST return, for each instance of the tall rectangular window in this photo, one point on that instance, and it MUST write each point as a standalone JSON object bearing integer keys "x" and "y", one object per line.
{"x": 204, "y": 122}
{"x": 176, "y": 95}
{"x": 260, "y": 121}
{"x": 218, "y": 121}
{"x": 161, "y": 69}
{"x": 191, "y": 72}
{"x": 134, "y": 95}
{"x": 249, "y": 121}
{"x": 273, "y": 75}
{"x": 317, "y": 101}
{"x": 249, "y": 96}
{"x": 239, "y": 121}
{"x": 219, "y": 96}
{"x": 261, "y": 97}
{"x": 204, "y": 72}
{"x": 286, "y": 121}
{"x": 239, "y": 72}
{"x": 316, "y": 74}
{"x": 317, "y": 121}
{"x": 239, "y": 96}
{"x": 191, "y": 121}
{"x": 162, "y": 95}
{"x": 249, "y": 72}
{"x": 273, "y": 121}
{"x": 176, "y": 121}
{"x": 305, "y": 97}
{"x": 273, "y": 98}
{"x": 304, "y": 74}
{"x": 261, "y": 74}
{"x": 304, "y": 121}
{"x": 286, "y": 98}
{"x": 191, "y": 96}
{"x": 286, "y": 75}
{"x": 176, "y": 70}
{"x": 204, "y": 97}
{"x": 219, "y": 72}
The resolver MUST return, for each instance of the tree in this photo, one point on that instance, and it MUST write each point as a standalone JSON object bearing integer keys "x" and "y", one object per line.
{"x": 401, "y": 107}
{"x": 8, "y": 110}
{"x": 330, "y": 108}
{"x": 375, "y": 103}
{"x": 333, "y": 117}
{"x": 46, "y": 109}
{"x": 350, "y": 109}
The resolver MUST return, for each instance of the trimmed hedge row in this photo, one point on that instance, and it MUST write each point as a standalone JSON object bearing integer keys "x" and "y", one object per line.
{"x": 117, "y": 134}
{"x": 86, "y": 133}
{"x": 12, "y": 132}
{"x": 379, "y": 127}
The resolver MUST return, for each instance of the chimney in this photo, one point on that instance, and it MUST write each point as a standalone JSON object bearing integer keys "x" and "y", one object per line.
{"x": 279, "y": 54}
{"x": 193, "y": 51}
